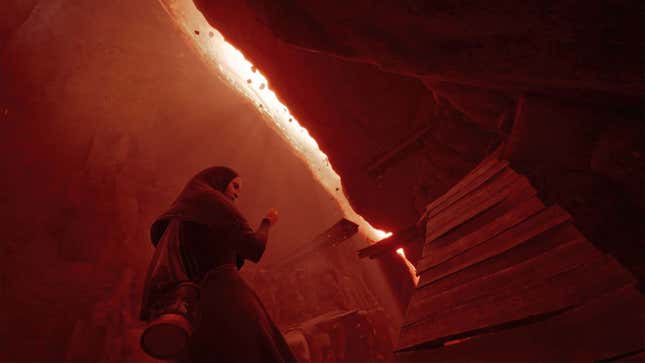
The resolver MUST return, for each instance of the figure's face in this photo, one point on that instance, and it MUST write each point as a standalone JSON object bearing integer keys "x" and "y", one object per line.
{"x": 233, "y": 189}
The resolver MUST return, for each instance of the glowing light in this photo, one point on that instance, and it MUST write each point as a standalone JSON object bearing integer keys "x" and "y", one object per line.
{"x": 381, "y": 234}
{"x": 232, "y": 66}
{"x": 456, "y": 341}
{"x": 247, "y": 79}
{"x": 411, "y": 268}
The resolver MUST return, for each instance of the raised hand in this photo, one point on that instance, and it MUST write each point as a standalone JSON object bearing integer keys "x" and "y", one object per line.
{"x": 272, "y": 216}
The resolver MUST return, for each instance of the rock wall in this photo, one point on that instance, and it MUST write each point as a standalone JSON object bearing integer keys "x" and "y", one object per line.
{"x": 105, "y": 114}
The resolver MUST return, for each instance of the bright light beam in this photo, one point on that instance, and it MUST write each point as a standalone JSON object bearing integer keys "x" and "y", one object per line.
{"x": 247, "y": 79}
{"x": 411, "y": 268}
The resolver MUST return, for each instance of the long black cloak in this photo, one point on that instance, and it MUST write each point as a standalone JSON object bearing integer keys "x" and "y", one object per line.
{"x": 199, "y": 239}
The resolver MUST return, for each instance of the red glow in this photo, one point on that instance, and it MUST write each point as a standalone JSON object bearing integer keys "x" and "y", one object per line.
{"x": 413, "y": 270}
{"x": 247, "y": 79}
{"x": 456, "y": 341}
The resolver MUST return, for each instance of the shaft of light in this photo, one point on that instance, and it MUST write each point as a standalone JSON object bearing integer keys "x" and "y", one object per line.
{"x": 238, "y": 72}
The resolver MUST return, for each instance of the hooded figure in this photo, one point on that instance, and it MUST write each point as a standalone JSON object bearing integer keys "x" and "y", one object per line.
{"x": 203, "y": 240}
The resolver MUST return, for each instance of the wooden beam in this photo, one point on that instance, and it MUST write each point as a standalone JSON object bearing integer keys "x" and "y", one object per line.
{"x": 534, "y": 226}
{"x": 606, "y": 328}
{"x": 565, "y": 290}
{"x": 397, "y": 240}
{"x": 333, "y": 236}
{"x": 475, "y": 224}
{"x": 530, "y": 272}
{"x": 480, "y": 174}
{"x": 474, "y": 204}
{"x": 523, "y": 252}
{"x": 388, "y": 157}
{"x": 511, "y": 218}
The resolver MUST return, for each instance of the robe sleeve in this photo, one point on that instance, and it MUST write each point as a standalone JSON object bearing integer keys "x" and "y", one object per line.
{"x": 250, "y": 244}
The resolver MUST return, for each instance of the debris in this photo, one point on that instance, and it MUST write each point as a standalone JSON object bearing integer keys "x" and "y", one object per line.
{"x": 197, "y": 32}
{"x": 262, "y": 86}
{"x": 211, "y": 34}
{"x": 249, "y": 81}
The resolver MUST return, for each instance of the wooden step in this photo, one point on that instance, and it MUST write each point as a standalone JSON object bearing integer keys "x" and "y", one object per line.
{"x": 538, "y": 223}
{"x": 470, "y": 183}
{"x": 562, "y": 291}
{"x": 535, "y": 246}
{"x": 608, "y": 326}
{"x": 490, "y": 224}
{"x": 515, "y": 197}
{"x": 387, "y": 245}
{"x": 482, "y": 168}
{"x": 474, "y": 204}
{"x": 560, "y": 259}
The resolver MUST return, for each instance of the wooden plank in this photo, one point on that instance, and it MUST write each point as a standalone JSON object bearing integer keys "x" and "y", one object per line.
{"x": 637, "y": 355}
{"x": 472, "y": 183}
{"x": 561, "y": 291}
{"x": 603, "y": 327}
{"x": 580, "y": 282}
{"x": 473, "y": 205}
{"x": 539, "y": 223}
{"x": 501, "y": 180}
{"x": 560, "y": 259}
{"x": 381, "y": 163}
{"x": 574, "y": 252}
{"x": 399, "y": 239}
{"x": 477, "y": 222}
{"x": 517, "y": 215}
{"x": 525, "y": 251}
{"x": 482, "y": 167}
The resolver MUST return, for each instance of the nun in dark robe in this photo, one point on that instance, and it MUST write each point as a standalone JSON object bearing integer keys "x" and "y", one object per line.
{"x": 202, "y": 242}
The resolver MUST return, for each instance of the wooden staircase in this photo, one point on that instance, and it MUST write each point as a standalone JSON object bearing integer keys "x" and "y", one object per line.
{"x": 505, "y": 278}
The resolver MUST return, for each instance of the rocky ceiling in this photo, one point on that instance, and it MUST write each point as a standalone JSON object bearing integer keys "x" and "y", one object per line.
{"x": 405, "y": 97}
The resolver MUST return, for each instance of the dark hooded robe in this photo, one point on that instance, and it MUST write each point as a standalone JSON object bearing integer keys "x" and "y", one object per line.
{"x": 204, "y": 239}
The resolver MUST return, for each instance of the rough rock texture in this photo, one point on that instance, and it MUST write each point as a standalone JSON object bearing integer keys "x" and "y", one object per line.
{"x": 505, "y": 46}
{"x": 105, "y": 113}
{"x": 357, "y": 113}
{"x": 589, "y": 160}
{"x": 579, "y": 63}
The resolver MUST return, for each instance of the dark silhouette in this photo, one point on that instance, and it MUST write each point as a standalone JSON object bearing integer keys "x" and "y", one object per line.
{"x": 200, "y": 309}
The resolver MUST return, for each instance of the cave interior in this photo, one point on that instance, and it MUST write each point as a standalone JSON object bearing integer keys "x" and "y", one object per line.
{"x": 502, "y": 146}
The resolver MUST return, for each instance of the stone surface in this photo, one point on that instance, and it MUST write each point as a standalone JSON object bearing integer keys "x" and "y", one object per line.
{"x": 334, "y": 65}
{"x": 579, "y": 136}
{"x": 106, "y": 113}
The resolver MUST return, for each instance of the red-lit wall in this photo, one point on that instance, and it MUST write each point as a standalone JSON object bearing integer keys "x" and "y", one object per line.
{"x": 105, "y": 113}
